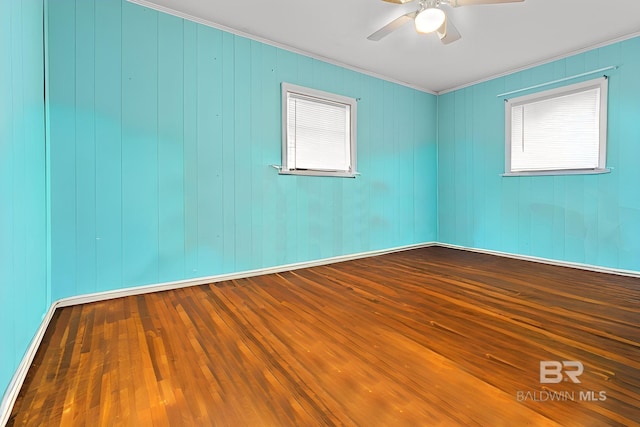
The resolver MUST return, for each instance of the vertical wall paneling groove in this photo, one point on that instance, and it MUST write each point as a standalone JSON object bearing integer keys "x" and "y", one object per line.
{"x": 139, "y": 144}
{"x": 258, "y": 165}
{"x": 190, "y": 154}
{"x": 162, "y": 134}
{"x": 228, "y": 224}
{"x": 210, "y": 161}
{"x": 362, "y": 201}
{"x": 62, "y": 140}
{"x": 243, "y": 171}
{"x": 170, "y": 150}
{"x": 23, "y": 234}
{"x": 85, "y": 153}
{"x": 590, "y": 219}
{"x": 271, "y": 244}
{"x": 108, "y": 143}
{"x": 47, "y": 152}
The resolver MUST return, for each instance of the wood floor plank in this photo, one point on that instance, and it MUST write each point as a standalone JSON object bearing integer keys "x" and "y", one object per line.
{"x": 431, "y": 336}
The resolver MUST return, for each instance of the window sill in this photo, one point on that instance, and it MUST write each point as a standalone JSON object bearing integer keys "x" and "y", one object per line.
{"x": 558, "y": 172}
{"x": 309, "y": 172}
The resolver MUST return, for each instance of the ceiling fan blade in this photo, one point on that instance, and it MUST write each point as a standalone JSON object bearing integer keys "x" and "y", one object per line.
{"x": 448, "y": 33}
{"x": 458, "y": 3}
{"x": 392, "y": 26}
{"x": 398, "y": 1}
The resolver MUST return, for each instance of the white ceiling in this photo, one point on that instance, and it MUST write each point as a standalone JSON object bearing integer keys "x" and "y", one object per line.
{"x": 496, "y": 39}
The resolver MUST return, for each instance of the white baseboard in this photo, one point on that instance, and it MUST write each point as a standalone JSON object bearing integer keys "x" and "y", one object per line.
{"x": 15, "y": 385}
{"x": 11, "y": 394}
{"x": 580, "y": 266}
{"x": 138, "y": 290}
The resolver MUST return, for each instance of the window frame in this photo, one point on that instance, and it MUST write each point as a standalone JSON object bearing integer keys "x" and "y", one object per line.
{"x": 602, "y": 84}
{"x": 322, "y": 96}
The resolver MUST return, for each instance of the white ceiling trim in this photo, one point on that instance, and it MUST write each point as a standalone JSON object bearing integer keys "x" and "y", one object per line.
{"x": 178, "y": 14}
{"x": 498, "y": 39}
{"x": 546, "y": 61}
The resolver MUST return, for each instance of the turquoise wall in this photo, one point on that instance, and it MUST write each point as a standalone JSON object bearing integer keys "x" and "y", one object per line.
{"x": 23, "y": 285}
{"x": 162, "y": 132}
{"x": 592, "y": 219}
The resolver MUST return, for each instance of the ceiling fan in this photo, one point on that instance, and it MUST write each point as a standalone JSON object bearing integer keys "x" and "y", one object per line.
{"x": 430, "y": 17}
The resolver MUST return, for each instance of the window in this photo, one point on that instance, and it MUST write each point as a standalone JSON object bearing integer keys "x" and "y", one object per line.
{"x": 559, "y": 131}
{"x": 318, "y": 133}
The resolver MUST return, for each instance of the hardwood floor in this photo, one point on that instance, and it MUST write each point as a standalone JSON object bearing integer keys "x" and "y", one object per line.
{"x": 428, "y": 337}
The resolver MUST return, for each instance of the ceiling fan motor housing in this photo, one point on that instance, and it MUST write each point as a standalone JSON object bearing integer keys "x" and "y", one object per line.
{"x": 430, "y": 17}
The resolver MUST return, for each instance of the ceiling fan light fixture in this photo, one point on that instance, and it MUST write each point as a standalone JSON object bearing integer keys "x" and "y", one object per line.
{"x": 429, "y": 20}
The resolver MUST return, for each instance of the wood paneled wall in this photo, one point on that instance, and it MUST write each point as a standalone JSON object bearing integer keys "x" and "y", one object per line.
{"x": 592, "y": 219}
{"x": 23, "y": 287}
{"x": 162, "y": 136}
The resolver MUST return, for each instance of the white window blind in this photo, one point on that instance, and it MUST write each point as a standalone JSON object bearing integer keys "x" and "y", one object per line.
{"x": 318, "y": 132}
{"x": 561, "y": 129}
